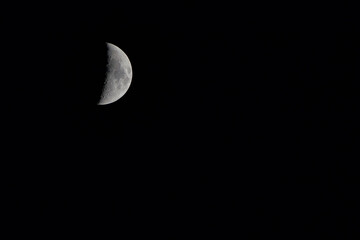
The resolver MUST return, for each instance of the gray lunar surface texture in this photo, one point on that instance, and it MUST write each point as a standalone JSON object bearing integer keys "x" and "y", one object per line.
{"x": 118, "y": 76}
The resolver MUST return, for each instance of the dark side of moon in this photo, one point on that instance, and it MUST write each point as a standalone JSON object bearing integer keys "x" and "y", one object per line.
{"x": 95, "y": 74}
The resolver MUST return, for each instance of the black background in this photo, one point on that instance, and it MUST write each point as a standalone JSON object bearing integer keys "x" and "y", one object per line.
{"x": 244, "y": 117}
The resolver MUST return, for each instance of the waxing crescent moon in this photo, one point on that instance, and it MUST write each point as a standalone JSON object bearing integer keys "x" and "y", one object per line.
{"x": 118, "y": 75}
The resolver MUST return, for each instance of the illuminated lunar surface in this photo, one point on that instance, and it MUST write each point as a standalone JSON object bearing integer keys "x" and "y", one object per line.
{"x": 118, "y": 75}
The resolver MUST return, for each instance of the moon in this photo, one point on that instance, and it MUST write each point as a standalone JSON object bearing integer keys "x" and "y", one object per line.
{"x": 118, "y": 75}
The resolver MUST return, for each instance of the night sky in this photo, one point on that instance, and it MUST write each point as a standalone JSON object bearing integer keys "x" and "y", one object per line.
{"x": 236, "y": 116}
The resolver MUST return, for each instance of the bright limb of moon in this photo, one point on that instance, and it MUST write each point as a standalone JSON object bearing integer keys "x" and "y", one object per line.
{"x": 118, "y": 75}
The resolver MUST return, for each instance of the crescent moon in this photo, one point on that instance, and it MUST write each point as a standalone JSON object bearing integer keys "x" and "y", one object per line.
{"x": 118, "y": 75}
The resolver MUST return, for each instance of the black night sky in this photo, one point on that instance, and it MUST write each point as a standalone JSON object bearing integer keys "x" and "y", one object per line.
{"x": 236, "y": 116}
